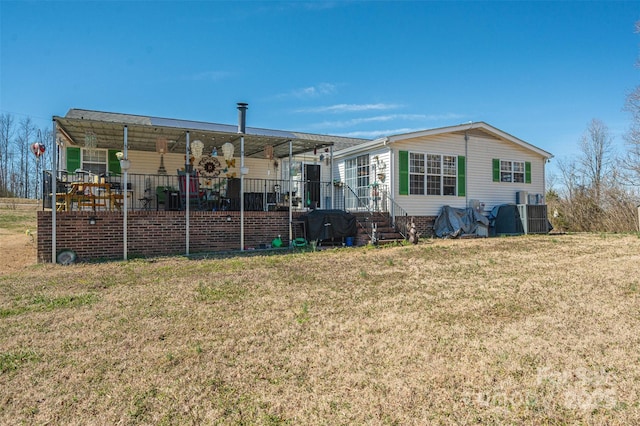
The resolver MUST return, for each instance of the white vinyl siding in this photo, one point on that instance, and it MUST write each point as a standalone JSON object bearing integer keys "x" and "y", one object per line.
{"x": 480, "y": 151}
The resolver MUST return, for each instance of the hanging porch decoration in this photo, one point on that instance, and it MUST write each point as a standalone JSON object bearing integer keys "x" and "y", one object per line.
{"x": 90, "y": 140}
{"x": 209, "y": 166}
{"x": 196, "y": 149}
{"x": 268, "y": 152}
{"x": 37, "y": 149}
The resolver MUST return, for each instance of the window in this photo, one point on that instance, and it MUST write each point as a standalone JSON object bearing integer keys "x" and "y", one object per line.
{"x": 94, "y": 160}
{"x": 356, "y": 172}
{"x": 512, "y": 171}
{"x": 432, "y": 174}
{"x": 416, "y": 173}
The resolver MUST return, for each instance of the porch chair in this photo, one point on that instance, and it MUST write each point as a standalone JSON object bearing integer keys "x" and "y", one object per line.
{"x": 117, "y": 194}
{"x": 233, "y": 194}
{"x": 145, "y": 201}
{"x": 197, "y": 197}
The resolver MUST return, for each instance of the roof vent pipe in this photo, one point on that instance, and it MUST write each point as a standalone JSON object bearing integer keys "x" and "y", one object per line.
{"x": 242, "y": 117}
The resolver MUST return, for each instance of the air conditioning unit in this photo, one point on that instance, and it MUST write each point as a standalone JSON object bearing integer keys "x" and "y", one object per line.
{"x": 534, "y": 218}
{"x": 477, "y": 205}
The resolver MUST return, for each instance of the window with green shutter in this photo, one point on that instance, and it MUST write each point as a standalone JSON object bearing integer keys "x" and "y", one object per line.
{"x": 508, "y": 171}
{"x": 462, "y": 176}
{"x": 114, "y": 163}
{"x": 496, "y": 169}
{"x": 403, "y": 159}
{"x": 73, "y": 159}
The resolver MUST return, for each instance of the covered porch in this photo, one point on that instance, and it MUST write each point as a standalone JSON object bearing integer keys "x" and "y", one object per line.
{"x": 125, "y": 184}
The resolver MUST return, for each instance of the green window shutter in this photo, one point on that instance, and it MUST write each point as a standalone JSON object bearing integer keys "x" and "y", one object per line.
{"x": 113, "y": 162}
{"x": 404, "y": 173}
{"x": 527, "y": 172}
{"x": 73, "y": 159}
{"x": 496, "y": 170}
{"x": 462, "y": 176}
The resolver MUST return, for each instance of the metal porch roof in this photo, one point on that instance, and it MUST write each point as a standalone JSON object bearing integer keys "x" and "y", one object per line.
{"x": 144, "y": 131}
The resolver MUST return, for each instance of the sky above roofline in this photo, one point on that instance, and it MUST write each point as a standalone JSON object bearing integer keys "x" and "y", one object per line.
{"x": 537, "y": 70}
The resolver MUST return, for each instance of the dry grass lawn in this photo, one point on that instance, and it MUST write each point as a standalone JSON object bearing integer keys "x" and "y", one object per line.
{"x": 523, "y": 330}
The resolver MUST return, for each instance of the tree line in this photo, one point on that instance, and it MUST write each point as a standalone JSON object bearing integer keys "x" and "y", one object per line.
{"x": 599, "y": 189}
{"x": 20, "y": 169}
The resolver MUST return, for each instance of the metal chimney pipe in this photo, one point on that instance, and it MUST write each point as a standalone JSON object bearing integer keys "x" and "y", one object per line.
{"x": 242, "y": 117}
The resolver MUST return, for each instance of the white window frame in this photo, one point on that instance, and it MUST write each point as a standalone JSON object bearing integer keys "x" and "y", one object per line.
{"x": 87, "y": 162}
{"x": 433, "y": 174}
{"x": 512, "y": 171}
{"x": 357, "y": 174}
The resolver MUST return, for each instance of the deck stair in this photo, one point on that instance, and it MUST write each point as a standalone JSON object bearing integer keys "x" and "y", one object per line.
{"x": 381, "y": 222}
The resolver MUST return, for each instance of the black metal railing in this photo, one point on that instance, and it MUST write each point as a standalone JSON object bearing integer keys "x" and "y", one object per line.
{"x": 167, "y": 192}
{"x": 398, "y": 215}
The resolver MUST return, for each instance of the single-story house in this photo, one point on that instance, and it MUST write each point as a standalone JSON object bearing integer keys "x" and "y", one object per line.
{"x": 467, "y": 165}
{"x": 130, "y": 185}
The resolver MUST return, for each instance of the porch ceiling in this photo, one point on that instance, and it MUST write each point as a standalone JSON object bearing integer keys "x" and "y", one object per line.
{"x": 143, "y": 132}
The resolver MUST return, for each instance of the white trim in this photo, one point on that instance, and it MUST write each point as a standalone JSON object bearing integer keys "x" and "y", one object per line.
{"x": 469, "y": 126}
{"x": 443, "y": 130}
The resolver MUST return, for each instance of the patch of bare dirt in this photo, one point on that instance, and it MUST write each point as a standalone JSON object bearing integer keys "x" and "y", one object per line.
{"x": 18, "y": 239}
{"x": 18, "y": 251}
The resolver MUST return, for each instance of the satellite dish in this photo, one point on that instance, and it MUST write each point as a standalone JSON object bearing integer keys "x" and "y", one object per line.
{"x": 66, "y": 257}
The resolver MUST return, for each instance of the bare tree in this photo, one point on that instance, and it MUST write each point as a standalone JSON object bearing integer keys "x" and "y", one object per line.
{"x": 26, "y": 136}
{"x": 6, "y": 135}
{"x": 632, "y": 159}
{"x": 596, "y": 159}
{"x": 591, "y": 195}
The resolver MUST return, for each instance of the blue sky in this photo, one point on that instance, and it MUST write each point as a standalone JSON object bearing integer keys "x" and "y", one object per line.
{"x": 537, "y": 70}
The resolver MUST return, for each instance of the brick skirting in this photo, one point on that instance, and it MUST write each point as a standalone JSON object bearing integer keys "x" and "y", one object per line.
{"x": 157, "y": 233}
{"x": 162, "y": 233}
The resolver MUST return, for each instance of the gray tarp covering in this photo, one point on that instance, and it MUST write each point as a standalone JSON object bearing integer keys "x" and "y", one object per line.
{"x": 453, "y": 222}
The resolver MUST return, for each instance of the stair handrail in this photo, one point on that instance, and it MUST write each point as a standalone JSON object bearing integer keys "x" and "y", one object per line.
{"x": 399, "y": 217}
{"x": 360, "y": 206}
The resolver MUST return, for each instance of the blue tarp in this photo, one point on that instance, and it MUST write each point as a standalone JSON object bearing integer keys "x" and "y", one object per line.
{"x": 453, "y": 222}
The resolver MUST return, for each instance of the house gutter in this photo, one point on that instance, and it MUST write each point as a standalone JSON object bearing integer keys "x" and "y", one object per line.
{"x": 466, "y": 159}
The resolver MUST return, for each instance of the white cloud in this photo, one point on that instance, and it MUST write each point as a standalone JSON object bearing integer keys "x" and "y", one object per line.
{"x": 339, "y": 108}
{"x": 314, "y": 91}
{"x": 372, "y": 134}
{"x": 387, "y": 118}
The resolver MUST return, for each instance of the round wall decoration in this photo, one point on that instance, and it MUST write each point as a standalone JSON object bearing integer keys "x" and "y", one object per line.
{"x": 209, "y": 166}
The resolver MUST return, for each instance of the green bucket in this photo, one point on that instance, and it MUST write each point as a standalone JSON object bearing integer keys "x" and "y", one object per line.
{"x": 299, "y": 242}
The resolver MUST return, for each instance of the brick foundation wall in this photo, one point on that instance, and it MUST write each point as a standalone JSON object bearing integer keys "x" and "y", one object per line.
{"x": 157, "y": 233}
{"x": 424, "y": 225}
{"x": 162, "y": 233}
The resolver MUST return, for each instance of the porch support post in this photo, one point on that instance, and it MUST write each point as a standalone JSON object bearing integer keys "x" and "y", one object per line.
{"x": 290, "y": 197}
{"x": 391, "y": 185}
{"x": 242, "y": 120}
{"x": 54, "y": 180}
{"x": 333, "y": 190}
{"x": 126, "y": 194}
{"x": 187, "y": 200}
